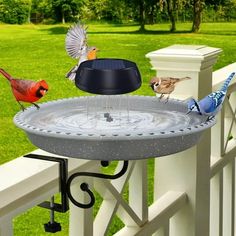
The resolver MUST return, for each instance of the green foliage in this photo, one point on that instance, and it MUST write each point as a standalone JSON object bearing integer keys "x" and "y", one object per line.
{"x": 66, "y": 10}
{"x": 15, "y": 11}
{"x": 117, "y": 11}
{"x": 221, "y": 10}
{"x": 230, "y": 10}
{"x": 43, "y": 7}
{"x": 109, "y": 10}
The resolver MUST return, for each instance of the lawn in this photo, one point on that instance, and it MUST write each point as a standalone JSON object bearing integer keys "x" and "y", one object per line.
{"x": 37, "y": 52}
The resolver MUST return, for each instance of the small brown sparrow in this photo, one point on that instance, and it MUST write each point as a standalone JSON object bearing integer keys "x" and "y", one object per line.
{"x": 165, "y": 85}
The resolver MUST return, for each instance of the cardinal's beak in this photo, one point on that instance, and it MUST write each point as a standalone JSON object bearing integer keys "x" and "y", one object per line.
{"x": 43, "y": 91}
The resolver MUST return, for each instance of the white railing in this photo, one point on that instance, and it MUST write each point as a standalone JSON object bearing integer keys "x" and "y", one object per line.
{"x": 28, "y": 182}
{"x": 222, "y": 171}
{"x": 194, "y": 191}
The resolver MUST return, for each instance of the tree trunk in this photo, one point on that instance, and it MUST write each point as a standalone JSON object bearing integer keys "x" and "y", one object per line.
{"x": 29, "y": 14}
{"x": 152, "y": 20}
{"x": 142, "y": 15}
{"x": 171, "y": 13}
{"x": 197, "y": 15}
{"x": 63, "y": 17}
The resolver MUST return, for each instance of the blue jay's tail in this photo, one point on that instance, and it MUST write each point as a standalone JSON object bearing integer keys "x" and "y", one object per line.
{"x": 227, "y": 81}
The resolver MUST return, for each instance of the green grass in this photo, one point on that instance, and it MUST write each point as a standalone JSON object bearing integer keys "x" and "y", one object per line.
{"x": 37, "y": 52}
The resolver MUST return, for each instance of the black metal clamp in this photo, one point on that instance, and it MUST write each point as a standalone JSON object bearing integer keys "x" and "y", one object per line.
{"x": 65, "y": 188}
{"x": 52, "y": 226}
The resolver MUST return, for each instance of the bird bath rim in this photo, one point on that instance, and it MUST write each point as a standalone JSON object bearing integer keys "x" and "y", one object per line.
{"x": 111, "y": 146}
{"x": 20, "y": 122}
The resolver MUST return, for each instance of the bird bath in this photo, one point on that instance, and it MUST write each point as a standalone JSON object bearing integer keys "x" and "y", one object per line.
{"x": 139, "y": 127}
{"x": 110, "y": 126}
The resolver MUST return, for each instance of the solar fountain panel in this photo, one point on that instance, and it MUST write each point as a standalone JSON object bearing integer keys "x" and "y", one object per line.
{"x": 108, "y": 64}
{"x": 108, "y": 76}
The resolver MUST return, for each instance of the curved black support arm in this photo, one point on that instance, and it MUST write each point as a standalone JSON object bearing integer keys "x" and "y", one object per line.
{"x": 84, "y": 187}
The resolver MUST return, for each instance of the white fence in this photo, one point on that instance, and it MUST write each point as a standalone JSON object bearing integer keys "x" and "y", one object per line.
{"x": 194, "y": 191}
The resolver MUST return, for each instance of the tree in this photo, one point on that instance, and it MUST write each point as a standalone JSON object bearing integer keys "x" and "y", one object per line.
{"x": 142, "y": 16}
{"x": 229, "y": 9}
{"x": 141, "y": 10}
{"x": 221, "y": 9}
{"x": 109, "y": 10}
{"x": 42, "y": 7}
{"x": 197, "y": 12}
{"x": 171, "y": 9}
{"x": 138, "y": 7}
{"x": 15, "y": 11}
{"x": 66, "y": 10}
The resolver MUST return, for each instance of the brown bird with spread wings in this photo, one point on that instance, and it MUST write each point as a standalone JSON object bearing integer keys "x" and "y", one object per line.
{"x": 77, "y": 47}
{"x": 165, "y": 85}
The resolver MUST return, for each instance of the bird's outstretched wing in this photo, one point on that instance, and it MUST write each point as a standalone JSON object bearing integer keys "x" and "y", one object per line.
{"x": 76, "y": 40}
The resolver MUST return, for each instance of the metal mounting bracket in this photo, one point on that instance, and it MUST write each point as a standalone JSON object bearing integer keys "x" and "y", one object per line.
{"x": 63, "y": 176}
{"x": 65, "y": 183}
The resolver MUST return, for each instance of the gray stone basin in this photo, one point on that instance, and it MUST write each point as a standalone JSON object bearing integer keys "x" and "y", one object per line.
{"x": 116, "y": 127}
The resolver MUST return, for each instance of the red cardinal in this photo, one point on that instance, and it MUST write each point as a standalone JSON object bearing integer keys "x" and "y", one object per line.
{"x": 26, "y": 90}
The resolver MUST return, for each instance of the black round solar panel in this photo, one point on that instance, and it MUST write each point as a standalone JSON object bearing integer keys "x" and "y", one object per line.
{"x": 108, "y": 76}
{"x": 110, "y": 64}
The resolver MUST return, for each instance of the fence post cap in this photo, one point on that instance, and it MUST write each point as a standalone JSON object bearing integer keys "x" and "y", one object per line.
{"x": 185, "y": 51}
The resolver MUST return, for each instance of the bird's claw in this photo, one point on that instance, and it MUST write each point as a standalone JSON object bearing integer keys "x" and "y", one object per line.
{"x": 209, "y": 118}
{"x": 162, "y": 95}
{"x": 36, "y": 105}
{"x": 167, "y": 99}
{"x": 21, "y": 106}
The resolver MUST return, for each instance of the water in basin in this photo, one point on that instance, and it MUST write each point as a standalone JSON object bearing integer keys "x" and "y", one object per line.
{"x": 80, "y": 120}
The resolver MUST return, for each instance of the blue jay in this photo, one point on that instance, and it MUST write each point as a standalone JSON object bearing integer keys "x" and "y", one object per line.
{"x": 212, "y": 103}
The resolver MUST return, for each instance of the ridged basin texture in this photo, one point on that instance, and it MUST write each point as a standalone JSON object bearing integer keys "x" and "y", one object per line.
{"x": 117, "y": 127}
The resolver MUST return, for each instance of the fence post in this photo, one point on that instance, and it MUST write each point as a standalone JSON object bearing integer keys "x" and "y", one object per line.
{"x": 188, "y": 171}
{"x": 6, "y": 228}
{"x": 81, "y": 220}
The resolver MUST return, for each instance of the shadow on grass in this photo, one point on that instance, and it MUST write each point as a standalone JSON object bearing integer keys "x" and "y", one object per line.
{"x": 146, "y": 32}
{"x": 57, "y": 30}
{"x": 223, "y": 33}
{"x": 64, "y": 29}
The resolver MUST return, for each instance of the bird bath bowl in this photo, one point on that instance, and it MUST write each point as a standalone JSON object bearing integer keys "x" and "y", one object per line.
{"x": 138, "y": 127}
